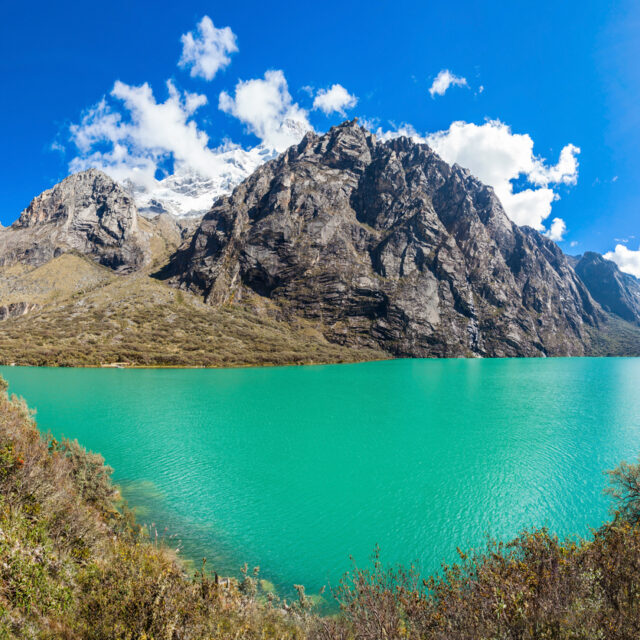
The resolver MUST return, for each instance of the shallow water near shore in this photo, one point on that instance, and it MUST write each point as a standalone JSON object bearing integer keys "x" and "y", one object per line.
{"x": 296, "y": 469}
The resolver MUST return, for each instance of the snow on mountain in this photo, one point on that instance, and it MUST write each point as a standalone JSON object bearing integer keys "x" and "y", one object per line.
{"x": 186, "y": 193}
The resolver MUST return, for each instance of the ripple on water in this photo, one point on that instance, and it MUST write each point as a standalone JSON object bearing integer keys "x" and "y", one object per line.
{"x": 295, "y": 469}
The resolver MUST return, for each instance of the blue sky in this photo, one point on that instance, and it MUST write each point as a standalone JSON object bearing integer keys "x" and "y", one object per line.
{"x": 562, "y": 73}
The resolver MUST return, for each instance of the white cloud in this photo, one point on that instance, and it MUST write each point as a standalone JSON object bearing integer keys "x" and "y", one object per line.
{"x": 129, "y": 135}
{"x": 336, "y": 99}
{"x": 626, "y": 259}
{"x": 208, "y": 51}
{"x": 266, "y": 107}
{"x": 403, "y": 130}
{"x": 556, "y": 230}
{"x": 135, "y": 145}
{"x": 574, "y": 243}
{"x": 443, "y": 81}
{"x": 497, "y": 156}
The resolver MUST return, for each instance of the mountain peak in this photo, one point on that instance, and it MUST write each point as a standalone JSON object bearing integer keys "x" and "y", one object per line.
{"x": 87, "y": 212}
{"x": 385, "y": 245}
{"x": 617, "y": 292}
{"x": 66, "y": 199}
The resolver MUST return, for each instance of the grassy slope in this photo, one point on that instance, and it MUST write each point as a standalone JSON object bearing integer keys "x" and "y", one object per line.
{"x": 88, "y": 316}
{"x": 53, "y": 282}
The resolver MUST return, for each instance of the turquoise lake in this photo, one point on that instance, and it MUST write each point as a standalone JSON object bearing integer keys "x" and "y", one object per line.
{"x": 296, "y": 469}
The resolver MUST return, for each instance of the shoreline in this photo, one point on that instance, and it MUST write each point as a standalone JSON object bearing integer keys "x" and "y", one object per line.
{"x": 320, "y": 363}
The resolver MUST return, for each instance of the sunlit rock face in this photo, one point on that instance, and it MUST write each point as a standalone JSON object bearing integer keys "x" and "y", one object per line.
{"x": 385, "y": 244}
{"x": 87, "y": 213}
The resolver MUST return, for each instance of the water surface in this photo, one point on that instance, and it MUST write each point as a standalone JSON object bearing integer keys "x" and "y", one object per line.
{"x": 297, "y": 468}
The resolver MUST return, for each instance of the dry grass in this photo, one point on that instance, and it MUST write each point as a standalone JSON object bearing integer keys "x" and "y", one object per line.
{"x": 95, "y": 317}
{"x": 52, "y": 283}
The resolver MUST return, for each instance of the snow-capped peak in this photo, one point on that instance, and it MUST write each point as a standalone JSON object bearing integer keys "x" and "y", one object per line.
{"x": 187, "y": 193}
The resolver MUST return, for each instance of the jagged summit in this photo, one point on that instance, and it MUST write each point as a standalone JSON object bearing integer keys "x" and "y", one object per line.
{"x": 88, "y": 213}
{"x": 66, "y": 200}
{"x": 385, "y": 244}
{"x": 617, "y": 292}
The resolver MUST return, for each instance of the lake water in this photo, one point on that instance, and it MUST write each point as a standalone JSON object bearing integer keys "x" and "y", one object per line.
{"x": 296, "y": 469}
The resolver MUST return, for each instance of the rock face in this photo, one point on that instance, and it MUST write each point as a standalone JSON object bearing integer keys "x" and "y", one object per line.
{"x": 15, "y": 310}
{"x": 384, "y": 244}
{"x": 87, "y": 213}
{"x": 617, "y": 292}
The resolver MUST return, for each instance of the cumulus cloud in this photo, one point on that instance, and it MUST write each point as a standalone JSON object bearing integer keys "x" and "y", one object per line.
{"x": 444, "y": 80}
{"x": 556, "y": 230}
{"x": 129, "y": 134}
{"x": 336, "y": 99}
{"x": 266, "y": 107}
{"x": 403, "y": 130}
{"x": 626, "y": 259}
{"x": 497, "y": 156}
{"x": 206, "y": 52}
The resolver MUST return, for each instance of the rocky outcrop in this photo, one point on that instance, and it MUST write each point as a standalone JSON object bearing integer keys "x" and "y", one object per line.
{"x": 87, "y": 213}
{"x": 16, "y": 309}
{"x": 617, "y": 292}
{"x": 384, "y": 244}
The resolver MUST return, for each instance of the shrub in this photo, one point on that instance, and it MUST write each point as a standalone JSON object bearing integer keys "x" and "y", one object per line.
{"x": 74, "y": 566}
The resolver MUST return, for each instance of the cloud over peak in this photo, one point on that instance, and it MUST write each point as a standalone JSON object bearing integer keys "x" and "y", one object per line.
{"x": 444, "y": 80}
{"x": 206, "y": 52}
{"x": 267, "y": 109}
{"x": 498, "y": 156}
{"x": 335, "y": 99}
{"x": 556, "y": 230}
{"x": 626, "y": 259}
{"x": 130, "y": 134}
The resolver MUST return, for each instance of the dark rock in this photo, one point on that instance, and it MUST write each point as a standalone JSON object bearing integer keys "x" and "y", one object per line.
{"x": 87, "y": 213}
{"x": 385, "y": 244}
{"x": 16, "y": 309}
{"x": 617, "y": 292}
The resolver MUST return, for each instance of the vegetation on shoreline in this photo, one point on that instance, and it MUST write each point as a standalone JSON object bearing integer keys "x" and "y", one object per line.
{"x": 100, "y": 318}
{"x": 73, "y": 564}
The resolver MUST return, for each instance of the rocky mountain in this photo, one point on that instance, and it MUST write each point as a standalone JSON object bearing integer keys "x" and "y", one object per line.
{"x": 75, "y": 290}
{"x": 342, "y": 248}
{"x": 385, "y": 245}
{"x": 87, "y": 213}
{"x": 617, "y": 292}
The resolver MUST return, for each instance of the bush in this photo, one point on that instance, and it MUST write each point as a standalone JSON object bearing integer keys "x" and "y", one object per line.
{"x": 73, "y": 565}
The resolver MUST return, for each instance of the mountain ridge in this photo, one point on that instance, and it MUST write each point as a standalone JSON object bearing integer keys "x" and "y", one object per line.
{"x": 379, "y": 248}
{"x": 392, "y": 247}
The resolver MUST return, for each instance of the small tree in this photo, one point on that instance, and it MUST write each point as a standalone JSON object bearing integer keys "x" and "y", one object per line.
{"x": 624, "y": 488}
